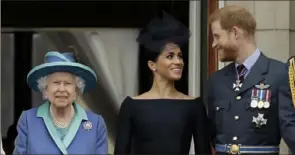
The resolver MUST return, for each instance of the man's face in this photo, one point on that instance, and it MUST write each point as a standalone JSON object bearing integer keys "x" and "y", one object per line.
{"x": 223, "y": 43}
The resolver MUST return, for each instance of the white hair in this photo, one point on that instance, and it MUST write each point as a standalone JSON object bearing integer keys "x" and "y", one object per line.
{"x": 42, "y": 85}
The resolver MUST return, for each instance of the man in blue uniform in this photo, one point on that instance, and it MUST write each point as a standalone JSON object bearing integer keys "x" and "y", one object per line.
{"x": 249, "y": 101}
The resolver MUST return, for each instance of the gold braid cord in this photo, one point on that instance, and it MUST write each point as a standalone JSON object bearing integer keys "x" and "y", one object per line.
{"x": 292, "y": 78}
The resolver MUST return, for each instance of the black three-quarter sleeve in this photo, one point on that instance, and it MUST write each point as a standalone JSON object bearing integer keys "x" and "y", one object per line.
{"x": 124, "y": 134}
{"x": 201, "y": 130}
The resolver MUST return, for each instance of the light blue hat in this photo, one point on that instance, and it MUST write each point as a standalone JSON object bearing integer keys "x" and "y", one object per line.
{"x": 61, "y": 62}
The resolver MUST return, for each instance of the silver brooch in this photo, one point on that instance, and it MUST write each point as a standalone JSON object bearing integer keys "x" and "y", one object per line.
{"x": 87, "y": 125}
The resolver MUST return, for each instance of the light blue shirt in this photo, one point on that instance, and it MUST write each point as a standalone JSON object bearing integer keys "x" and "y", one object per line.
{"x": 250, "y": 61}
{"x": 62, "y": 132}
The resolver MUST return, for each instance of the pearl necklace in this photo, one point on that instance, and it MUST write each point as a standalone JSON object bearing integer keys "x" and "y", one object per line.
{"x": 62, "y": 124}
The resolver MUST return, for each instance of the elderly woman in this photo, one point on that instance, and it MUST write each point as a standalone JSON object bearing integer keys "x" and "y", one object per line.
{"x": 60, "y": 125}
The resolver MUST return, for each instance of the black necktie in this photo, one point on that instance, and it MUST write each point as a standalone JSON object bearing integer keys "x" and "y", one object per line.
{"x": 241, "y": 72}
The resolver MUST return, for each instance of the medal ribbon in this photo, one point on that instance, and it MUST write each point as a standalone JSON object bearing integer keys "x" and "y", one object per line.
{"x": 268, "y": 95}
{"x": 242, "y": 73}
{"x": 254, "y": 94}
{"x": 261, "y": 94}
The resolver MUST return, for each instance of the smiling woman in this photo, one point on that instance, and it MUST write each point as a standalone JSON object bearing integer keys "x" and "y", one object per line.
{"x": 169, "y": 62}
{"x": 50, "y": 86}
{"x": 163, "y": 120}
{"x": 60, "y": 123}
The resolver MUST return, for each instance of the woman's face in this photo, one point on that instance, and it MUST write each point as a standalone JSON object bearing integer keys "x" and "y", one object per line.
{"x": 169, "y": 63}
{"x": 61, "y": 89}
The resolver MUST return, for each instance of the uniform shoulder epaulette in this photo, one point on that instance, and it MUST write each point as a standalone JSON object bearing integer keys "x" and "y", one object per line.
{"x": 292, "y": 58}
{"x": 291, "y": 72}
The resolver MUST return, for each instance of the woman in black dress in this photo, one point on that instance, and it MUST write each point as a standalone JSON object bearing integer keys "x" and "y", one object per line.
{"x": 163, "y": 120}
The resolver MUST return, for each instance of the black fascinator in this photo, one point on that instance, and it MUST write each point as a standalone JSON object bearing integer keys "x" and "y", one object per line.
{"x": 159, "y": 32}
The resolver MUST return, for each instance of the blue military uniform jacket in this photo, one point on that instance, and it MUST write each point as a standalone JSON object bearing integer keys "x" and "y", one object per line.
{"x": 238, "y": 127}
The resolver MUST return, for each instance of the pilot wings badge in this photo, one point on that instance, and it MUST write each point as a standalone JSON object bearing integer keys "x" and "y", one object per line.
{"x": 262, "y": 86}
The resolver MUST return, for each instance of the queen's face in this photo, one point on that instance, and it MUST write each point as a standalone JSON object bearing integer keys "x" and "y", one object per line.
{"x": 61, "y": 89}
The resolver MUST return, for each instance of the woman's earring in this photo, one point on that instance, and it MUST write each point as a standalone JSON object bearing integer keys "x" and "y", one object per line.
{"x": 155, "y": 69}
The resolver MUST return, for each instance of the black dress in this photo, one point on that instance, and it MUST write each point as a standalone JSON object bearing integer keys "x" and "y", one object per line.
{"x": 162, "y": 126}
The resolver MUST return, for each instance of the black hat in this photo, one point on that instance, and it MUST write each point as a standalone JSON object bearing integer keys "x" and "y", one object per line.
{"x": 162, "y": 31}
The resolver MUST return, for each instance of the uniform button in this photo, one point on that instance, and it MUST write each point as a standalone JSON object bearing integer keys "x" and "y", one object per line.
{"x": 238, "y": 97}
{"x": 236, "y": 117}
{"x": 217, "y": 108}
{"x": 235, "y": 138}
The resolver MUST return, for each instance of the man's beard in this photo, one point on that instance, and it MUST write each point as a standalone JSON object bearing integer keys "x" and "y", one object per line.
{"x": 229, "y": 54}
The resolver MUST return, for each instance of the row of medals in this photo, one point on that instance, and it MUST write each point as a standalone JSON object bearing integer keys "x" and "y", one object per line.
{"x": 255, "y": 103}
{"x": 259, "y": 104}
